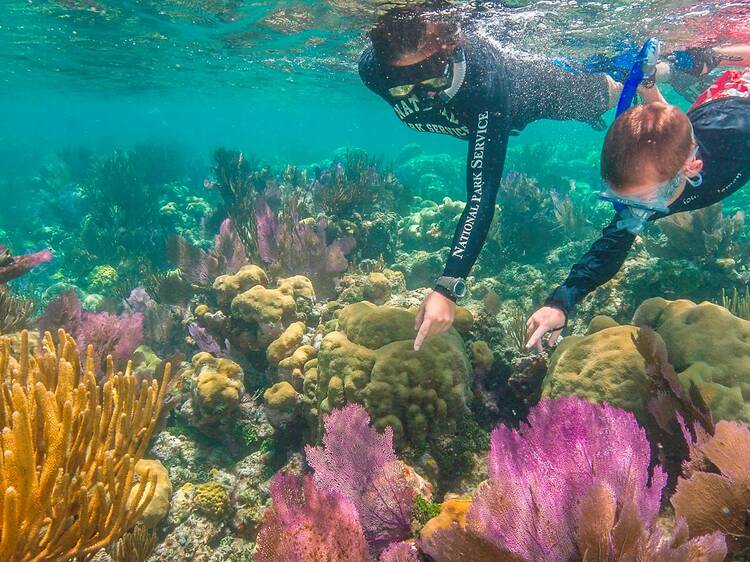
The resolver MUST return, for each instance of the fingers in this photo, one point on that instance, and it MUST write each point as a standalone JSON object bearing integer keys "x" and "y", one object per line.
{"x": 536, "y": 338}
{"x": 424, "y": 331}
{"x": 430, "y": 327}
{"x": 420, "y": 317}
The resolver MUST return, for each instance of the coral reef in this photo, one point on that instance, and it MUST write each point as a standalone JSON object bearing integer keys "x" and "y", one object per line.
{"x": 573, "y": 484}
{"x": 70, "y": 447}
{"x": 715, "y": 493}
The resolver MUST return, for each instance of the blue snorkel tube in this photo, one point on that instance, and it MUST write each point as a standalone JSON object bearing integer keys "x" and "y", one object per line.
{"x": 645, "y": 61}
{"x": 634, "y": 219}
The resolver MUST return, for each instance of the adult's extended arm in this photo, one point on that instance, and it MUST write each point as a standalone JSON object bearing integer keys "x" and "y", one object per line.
{"x": 603, "y": 260}
{"x": 484, "y": 169}
{"x": 734, "y": 55}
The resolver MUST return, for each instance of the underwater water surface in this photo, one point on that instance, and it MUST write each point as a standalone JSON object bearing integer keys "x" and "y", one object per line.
{"x": 215, "y": 241}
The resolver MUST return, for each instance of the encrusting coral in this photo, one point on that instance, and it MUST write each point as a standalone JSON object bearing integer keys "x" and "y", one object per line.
{"x": 69, "y": 449}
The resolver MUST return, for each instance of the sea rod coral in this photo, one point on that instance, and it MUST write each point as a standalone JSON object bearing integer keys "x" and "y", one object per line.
{"x": 69, "y": 448}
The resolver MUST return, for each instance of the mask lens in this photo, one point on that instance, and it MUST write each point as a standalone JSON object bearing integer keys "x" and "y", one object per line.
{"x": 439, "y": 83}
{"x": 401, "y": 91}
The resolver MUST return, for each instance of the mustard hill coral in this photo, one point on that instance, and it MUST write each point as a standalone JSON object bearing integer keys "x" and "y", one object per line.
{"x": 69, "y": 449}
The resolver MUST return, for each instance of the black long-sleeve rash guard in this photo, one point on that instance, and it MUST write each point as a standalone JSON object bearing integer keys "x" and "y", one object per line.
{"x": 722, "y": 129}
{"x": 498, "y": 96}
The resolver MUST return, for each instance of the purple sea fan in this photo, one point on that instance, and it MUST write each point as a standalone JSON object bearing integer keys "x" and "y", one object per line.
{"x": 359, "y": 463}
{"x": 110, "y": 334}
{"x": 539, "y": 474}
{"x": 305, "y": 524}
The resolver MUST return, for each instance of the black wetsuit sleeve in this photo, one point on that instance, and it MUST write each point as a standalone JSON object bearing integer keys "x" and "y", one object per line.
{"x": 488, "y": 142}
{"x": 603, "y": 260}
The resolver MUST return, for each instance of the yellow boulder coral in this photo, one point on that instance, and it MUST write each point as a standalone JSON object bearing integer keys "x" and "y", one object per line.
{"x": 377, "y": 288}
{"x": 227, "y": 287}
{"x": 709, "y": 347}
{"x": 602, "y": 366}
{"x": 157, "y": 508}
{"x": 482, "y": 357}
{"x": 464, "y": 320}
{"x": 281, "y": 401}
{"x": 298, "y": 286}
{"x": 370, "y": 360}
{"x": 286, "y": 343}
{"x": 218, "y": 385}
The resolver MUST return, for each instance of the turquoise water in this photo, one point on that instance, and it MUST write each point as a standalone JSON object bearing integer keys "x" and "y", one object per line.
{"x": 274, "y": 78}
{"x": 111, "y": 114}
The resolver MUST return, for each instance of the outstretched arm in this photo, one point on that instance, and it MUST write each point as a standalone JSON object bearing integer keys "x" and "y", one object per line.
{"x": 484, "y": 169}
{"x": 596, "y": 267}
{"x": 734, "y": 55}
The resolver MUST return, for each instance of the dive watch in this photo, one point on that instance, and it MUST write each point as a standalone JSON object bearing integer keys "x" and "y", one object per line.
{"x": 451, "y": 287}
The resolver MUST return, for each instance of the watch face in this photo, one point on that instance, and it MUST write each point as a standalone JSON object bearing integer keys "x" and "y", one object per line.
{"x": 460, "y": 288}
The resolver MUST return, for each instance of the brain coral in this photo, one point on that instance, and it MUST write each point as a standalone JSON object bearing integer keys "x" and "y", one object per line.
{"x": 370, "y": 359}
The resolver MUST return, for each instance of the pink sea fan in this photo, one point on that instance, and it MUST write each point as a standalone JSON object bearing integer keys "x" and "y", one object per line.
{"x": 400, "y": 552}
{"x": 539, "y": 472}
{"x": 200, "y": 267}
{"x": 110, "y": 334}
{"x": 359, "y": 463}
{"x": 306, "y": 523}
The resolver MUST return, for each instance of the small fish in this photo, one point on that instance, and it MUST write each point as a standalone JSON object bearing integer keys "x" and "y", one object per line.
{"x": 209, "y": 184}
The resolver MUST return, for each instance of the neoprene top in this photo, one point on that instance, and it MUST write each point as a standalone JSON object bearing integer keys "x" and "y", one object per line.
{"x": 722, "y": 129}
{"x": 498, "y": 97}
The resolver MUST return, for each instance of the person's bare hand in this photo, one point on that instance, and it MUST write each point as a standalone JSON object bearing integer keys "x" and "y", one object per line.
{"x": 546, "y": 319}
{"x": 435, "y": 316}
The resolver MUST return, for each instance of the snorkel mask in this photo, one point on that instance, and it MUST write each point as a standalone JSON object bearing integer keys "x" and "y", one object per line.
{"x": 636, "y": 211}
{"x": 438, "y": 77}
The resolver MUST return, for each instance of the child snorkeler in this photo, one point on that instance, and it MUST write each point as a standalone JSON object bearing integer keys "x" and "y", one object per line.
{"x": 657, "y": 161}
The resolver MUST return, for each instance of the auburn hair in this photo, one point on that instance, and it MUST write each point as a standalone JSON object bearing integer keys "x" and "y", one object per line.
{"x": 655, "y": 135}
{"x": 404, "y": 30}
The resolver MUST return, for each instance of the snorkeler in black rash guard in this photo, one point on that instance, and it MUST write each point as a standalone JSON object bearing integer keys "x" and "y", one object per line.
{"x": 439, "y": 79}
{"x": 658, "y": 161}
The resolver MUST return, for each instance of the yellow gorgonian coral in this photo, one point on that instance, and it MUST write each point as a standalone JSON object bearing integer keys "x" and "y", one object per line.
{"x": 69, "y": 446}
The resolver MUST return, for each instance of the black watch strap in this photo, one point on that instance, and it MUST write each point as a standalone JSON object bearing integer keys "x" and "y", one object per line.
{"x": 445, "y": 292}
